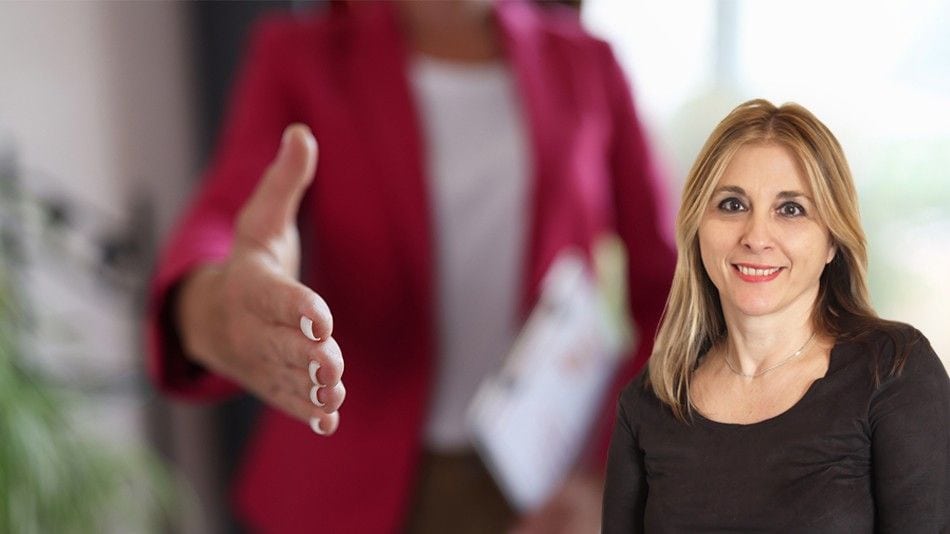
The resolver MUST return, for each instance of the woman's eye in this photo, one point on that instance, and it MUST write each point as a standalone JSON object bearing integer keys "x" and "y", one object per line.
{"x": 731, "y": 205}
{"x": 791, "y": 209}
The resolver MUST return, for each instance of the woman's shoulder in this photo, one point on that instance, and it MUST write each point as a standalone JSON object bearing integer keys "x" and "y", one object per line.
{"x": 893, "y": 351}
{"x": 318, "y": 30}
{"x": 557, "y": 28}
{"x": 551, "y": 19}
{"x": 637, "y": 396}
{"x": 908, "y": 378}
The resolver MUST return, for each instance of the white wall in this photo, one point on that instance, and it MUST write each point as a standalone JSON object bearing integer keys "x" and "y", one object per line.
{"x": 97, "y": 95}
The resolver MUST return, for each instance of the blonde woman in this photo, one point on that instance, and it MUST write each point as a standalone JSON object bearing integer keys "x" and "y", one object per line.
{"x": 776, "y": 399}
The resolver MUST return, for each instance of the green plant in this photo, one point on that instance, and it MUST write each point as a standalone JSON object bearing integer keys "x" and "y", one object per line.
{"x": 52, "y": 477}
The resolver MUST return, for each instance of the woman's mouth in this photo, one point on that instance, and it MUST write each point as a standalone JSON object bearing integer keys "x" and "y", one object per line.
{"x": 756, "y": 273}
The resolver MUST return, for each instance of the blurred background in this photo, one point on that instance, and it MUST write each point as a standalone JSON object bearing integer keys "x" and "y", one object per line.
{"x": 108, "y": 111}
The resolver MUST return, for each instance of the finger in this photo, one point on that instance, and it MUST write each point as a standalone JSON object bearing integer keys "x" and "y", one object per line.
{"x": 285, "y": 389}
{"x": 281, "y": 348}
{"x": 536, "y": 522}
{"x": 275, "y": 202}
{"x": 313, "y": 316}
{"x": 298, "y": 384}
{"x": 289, "y": 390}
{"x": 328, "y": 358}
{"x": 328, "y": 398}
{"x": 321, "y": 362}
{"x": 325, "y": 424}
{"x": 279, "y": 299}
{"x": 295, "y": 401}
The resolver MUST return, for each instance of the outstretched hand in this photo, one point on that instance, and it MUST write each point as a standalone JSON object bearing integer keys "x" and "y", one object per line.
{"x": 250, "y": 319}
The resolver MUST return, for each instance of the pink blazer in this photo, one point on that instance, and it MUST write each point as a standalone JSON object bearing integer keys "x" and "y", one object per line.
{"x": 368, "y": 238}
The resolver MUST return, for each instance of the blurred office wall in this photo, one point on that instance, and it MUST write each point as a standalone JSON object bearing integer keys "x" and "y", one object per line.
{"x": 96, "y": 125}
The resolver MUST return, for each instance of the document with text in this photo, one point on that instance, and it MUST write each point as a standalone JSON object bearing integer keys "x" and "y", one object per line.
{"x": 531, "y": 420}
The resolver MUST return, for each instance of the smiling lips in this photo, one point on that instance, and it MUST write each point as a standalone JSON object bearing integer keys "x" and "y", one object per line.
{"x": 757, "y": 273}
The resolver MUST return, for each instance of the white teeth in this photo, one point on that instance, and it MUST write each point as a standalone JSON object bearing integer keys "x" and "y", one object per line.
{"x": 748, "y": 271}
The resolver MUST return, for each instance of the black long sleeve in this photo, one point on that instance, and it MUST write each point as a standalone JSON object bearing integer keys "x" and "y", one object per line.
{"x": 853, "y": 455}
{"x": 909, "y": 419}
{"x": 625, "y": 488}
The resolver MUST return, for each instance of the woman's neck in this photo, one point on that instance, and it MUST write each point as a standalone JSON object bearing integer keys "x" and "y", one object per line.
{"x": 460, "y": 31}
{"x": 754, "y": 344}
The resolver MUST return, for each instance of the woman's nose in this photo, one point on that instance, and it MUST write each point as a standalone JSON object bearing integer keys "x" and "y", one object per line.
{"x": 757, "y": 233}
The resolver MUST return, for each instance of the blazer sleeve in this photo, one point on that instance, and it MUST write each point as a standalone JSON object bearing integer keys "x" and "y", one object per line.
{"x": 625, "y": 487}
{"x": 257, "y": 113}
{"x": 909, "y": 418}
{"x": 643, "y": 221}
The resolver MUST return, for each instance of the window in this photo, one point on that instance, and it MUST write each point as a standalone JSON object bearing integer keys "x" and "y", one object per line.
{"x": 877, "y": 73}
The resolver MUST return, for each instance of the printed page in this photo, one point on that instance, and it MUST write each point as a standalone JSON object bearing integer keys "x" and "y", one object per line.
{"x": 531, "y": 420}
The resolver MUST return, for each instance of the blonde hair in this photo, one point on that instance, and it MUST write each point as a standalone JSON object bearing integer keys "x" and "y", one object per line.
{"x": 693, "y": 321}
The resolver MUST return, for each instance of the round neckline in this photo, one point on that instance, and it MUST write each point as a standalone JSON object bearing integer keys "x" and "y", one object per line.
{"x": 697, "y": 415}
{"x": 428, "y": 62}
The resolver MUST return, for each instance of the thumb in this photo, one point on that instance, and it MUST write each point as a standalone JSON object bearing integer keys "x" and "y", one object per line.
{"x": 275, "y": 202}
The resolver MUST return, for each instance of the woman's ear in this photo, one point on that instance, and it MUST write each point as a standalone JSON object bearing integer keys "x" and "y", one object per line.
{"x": 832, "y": 251}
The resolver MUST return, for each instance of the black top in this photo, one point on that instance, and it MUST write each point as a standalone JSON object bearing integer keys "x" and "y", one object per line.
{"x": 848, "y": 457}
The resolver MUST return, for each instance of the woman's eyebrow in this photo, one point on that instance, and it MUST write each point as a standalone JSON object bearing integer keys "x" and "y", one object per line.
{"x": 731, "y": 189}
{"x": 793, "y": 194}
{"x": 782, "y": 194}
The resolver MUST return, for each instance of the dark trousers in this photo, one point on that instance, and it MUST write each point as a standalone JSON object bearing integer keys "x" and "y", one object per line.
{"x": 456, "y": 494}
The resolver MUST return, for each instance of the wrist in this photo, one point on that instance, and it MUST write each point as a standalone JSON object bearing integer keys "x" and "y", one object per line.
{"x": 196, "y": 314}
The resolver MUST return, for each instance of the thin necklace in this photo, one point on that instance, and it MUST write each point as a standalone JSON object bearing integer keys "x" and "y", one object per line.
{"x": 787, "y": 359}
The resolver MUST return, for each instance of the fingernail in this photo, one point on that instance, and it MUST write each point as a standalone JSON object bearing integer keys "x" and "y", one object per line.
{"x": 313, "y": 397}
{"x": 306, "y": 326}
{"x": 312, "y": 370}
{"x": 315, "y": 426}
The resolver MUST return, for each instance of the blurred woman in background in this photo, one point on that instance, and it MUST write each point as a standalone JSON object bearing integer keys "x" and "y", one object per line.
{"x": 462, "y": 147}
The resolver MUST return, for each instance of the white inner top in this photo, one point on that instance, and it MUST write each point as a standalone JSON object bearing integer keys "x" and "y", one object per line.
{"x": 477, "y": 164}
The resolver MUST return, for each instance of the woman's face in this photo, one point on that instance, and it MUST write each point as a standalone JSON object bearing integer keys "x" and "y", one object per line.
{"x": 760, "y": 238}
